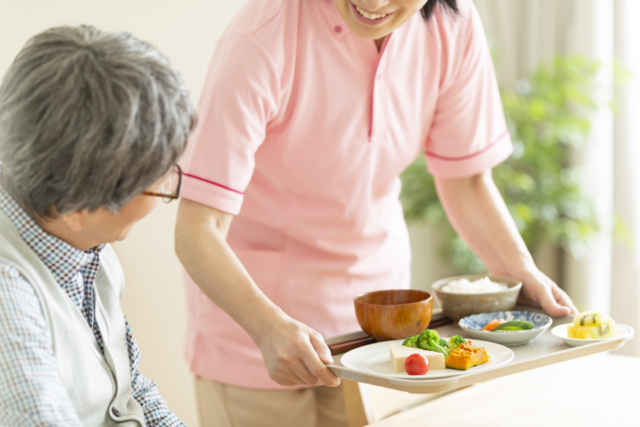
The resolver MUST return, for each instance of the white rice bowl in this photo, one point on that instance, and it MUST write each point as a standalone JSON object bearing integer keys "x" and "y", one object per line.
{"x": 480, "y": 286}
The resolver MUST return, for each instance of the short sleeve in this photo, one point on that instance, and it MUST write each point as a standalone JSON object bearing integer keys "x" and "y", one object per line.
{"x": 468, "y": 133}
{"x": 239, "y": 99}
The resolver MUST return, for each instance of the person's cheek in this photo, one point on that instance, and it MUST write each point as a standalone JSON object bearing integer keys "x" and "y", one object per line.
{"x": 134, "y": 212}
{"x": 143, "y": 206}
{"x": 143, "y": 210}
{"x": 150, "y": 206}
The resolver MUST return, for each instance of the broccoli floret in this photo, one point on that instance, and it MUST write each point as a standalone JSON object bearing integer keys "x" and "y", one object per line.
{"x": 454, "y": 342}
{"x": 443, "y": 343}
{"x": 411, "y": 342}
{"x": 430, "y": 340}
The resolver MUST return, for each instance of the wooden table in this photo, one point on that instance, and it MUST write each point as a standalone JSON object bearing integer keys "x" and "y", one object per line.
{"x": 544, "y": 351}
{"x": 600, "y": 390}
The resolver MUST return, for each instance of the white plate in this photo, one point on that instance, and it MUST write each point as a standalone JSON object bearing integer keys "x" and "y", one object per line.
{"x": 377, "y": 359}
{"x": 622, "y": 332}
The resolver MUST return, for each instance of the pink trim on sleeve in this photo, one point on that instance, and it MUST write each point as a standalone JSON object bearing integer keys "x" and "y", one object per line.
{"x": 212, "y": 194}
{"x": 214, "y": 183}
{"x": 465, "y": 166}
{"x": 455, "y": 159}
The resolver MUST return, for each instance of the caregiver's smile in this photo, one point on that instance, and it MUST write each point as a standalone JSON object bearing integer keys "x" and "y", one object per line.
{"x": 375, "y": 19}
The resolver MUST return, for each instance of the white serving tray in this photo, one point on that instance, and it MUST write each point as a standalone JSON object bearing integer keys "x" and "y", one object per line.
{"x": 542, "y": 351}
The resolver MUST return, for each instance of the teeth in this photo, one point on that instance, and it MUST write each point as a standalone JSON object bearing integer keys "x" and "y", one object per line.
{"x": 369, "y": 15}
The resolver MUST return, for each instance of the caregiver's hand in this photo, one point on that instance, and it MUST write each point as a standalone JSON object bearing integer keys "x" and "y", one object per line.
{"x": 540, "y": 291}
{"x": 295, "y": 354}
{"x": 476, "y": 210}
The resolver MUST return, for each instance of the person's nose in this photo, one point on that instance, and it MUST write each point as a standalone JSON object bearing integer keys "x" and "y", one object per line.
{"x": 374, "y": 5}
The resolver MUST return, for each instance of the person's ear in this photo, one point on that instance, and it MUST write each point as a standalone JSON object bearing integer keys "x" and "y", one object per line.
{"x": 74, "y": 220}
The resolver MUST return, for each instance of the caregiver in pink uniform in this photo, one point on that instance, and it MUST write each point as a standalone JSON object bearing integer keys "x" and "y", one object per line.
{"x": 311, "y": 110}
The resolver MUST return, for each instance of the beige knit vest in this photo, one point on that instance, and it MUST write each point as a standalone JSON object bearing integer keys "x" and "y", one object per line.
{"x": 99, "y": 386}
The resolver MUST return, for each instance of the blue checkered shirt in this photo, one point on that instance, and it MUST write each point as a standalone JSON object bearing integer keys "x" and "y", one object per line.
{"x": 31, "y": 393}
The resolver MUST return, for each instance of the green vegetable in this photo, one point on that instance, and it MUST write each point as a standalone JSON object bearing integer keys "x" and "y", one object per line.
{"x": 430, "y": 340}
{"x": 515, "y": 325}
{"x": 411, "y": 342}
{"x": 454, "y": 342}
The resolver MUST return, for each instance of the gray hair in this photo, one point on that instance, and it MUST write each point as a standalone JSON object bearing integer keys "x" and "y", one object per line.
{"x": 89, "y": 119}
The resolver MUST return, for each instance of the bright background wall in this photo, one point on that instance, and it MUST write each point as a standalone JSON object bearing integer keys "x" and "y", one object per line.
{"x": 186, "y": 32}
{"x": 525, "y": 31}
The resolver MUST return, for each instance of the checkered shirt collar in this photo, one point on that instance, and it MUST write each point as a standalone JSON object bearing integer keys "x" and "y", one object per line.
{"x": 62, "y": 259}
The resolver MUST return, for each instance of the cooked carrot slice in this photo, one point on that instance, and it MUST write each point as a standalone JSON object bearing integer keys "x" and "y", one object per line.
{"x": 493, "y": 324}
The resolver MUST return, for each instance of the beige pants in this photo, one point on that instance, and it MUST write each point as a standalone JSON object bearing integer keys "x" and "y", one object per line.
{"x": 221, "y": 405}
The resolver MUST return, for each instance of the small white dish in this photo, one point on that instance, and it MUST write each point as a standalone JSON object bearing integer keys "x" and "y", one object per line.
{"x": 376, "y": 359}
{"x": 623, "y": 332}
{"x": 472, "y": 327}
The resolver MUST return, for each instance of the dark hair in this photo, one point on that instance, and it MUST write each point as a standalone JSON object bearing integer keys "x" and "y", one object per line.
{"x": 427, "y": 9}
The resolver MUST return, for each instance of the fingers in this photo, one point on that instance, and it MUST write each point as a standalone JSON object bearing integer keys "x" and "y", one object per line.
{"x": 319, "y": 370}
{"x": 300, "y": 375}
{"x": 321, "y": 347}
{"x": 540, "y": 291}
{"x": 564, "y": 299}
{"x": 306, "y": 368}
{"x": 309, "y": 362}
{"x": 298, "y": 357}
{"x": 302, "y": 370}
{"x": 547, "y": 299}
{"x": 316, "y": 362}
{"x": 290, "y": 372}
{"x": 551, "y": 307}
{"x": 288, "y": 368}
{"x": 289, "y": 382}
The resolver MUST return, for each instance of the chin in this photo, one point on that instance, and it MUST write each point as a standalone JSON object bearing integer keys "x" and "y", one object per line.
{"x": 369, "y": 33}
{"x": 123, "y": 236}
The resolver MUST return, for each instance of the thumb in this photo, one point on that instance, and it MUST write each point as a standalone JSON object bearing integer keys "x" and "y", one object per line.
{"x": 320, "y": 347}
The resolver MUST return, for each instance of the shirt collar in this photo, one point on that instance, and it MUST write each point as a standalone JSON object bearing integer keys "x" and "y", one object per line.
{"x": 337, "y": 26}
{"x": 62, "y": 259}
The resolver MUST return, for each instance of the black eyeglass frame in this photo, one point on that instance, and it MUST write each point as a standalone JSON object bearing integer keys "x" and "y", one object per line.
{"x": 168, "y": 198}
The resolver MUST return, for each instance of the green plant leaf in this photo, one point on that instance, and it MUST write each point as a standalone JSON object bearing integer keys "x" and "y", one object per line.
{"x": 546, "y": 116}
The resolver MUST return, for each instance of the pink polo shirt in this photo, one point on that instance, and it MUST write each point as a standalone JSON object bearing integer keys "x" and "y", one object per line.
{"x": 304, "y": 130}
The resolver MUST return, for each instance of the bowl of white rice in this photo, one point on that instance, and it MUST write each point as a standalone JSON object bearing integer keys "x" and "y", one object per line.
{"x": 462, "y": 296}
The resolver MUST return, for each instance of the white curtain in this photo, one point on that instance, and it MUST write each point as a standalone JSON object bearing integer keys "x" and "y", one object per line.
{"x": 625, "y": 277}
{"x": 525, "y": 34}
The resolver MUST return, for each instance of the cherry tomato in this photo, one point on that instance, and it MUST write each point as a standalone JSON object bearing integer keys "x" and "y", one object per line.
{"x": 416, "y": 364}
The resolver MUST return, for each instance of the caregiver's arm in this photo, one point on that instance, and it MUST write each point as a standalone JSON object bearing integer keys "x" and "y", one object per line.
{"x": 478, "y": 213}
{"x": 293, "y": 352}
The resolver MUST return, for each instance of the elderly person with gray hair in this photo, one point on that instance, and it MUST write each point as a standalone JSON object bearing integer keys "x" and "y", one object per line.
{"x": 92, "y": 125}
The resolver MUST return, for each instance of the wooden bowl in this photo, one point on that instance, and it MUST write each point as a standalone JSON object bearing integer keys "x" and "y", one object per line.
{"x": 394, "y": 314}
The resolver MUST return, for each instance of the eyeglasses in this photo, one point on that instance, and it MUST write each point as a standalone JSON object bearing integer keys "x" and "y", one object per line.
{"x": 171, "y": 187}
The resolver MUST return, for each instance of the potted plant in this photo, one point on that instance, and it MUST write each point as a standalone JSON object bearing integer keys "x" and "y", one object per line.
{"x": 546, "y": 116}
